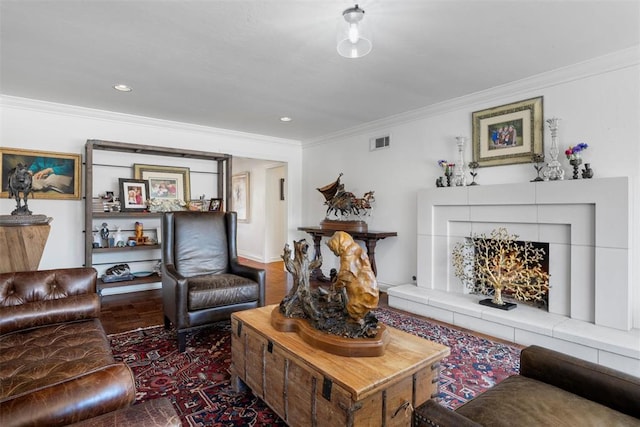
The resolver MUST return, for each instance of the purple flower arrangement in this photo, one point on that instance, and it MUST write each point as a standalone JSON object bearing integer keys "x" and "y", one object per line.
{"x": 573, "y": 152}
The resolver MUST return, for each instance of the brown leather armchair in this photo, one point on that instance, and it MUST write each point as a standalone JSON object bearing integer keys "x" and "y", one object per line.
{"x": 202, "y": 281}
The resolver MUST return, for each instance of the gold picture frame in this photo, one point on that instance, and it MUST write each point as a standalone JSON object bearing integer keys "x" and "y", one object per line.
{"x": 240, "y": 197}
{"x": 55, "y": 175}
{"x": 508, "y": 134}
{"x": 165, "y": 182}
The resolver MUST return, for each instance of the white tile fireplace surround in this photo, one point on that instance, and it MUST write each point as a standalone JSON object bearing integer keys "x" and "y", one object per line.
{"x": 587, "y": 224}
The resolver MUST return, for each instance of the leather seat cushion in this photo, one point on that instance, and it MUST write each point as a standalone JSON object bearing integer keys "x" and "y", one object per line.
{"x": 524, "y": 401}
{"x": 215, "y": 290}
{"x": 39, "y": 357}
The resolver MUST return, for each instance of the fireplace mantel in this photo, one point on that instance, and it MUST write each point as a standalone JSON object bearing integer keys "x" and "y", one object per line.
{"x": 587, "y": 226}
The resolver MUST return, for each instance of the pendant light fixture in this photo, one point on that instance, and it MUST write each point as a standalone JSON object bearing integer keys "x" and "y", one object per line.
{"x": 354, "y": 39}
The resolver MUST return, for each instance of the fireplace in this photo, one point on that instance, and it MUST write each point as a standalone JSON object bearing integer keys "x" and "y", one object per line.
{"x": 506, "y": 270}
{"x": 586, "y": 224}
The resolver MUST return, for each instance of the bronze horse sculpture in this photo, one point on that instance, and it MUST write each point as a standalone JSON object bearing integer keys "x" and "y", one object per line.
{"x": 20, "y": 182}
{"x": 345, "y": 203}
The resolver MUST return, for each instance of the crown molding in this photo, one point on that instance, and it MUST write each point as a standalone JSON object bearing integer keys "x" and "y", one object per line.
{"x": 111, "y": 116}
{"x": 614, "y": 61}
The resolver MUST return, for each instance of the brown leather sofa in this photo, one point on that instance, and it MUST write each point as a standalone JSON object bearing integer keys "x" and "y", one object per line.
{"x": 56, "y": 365}
{"x": 553, "y": 389}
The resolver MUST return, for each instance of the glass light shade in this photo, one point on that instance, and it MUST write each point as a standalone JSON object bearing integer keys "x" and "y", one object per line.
{"x": 353, "y": 35}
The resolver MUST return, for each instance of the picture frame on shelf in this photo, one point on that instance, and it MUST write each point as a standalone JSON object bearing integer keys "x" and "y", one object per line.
{"x": 215, "y": 205}
{"x": 240, "y": 197}
{"x": 196, "y": 205}
{"x": 54, "y": 175}
{"x": 508, "y": 134}
{"x": 133, "y": 194}
{"x": 165, "y": 182}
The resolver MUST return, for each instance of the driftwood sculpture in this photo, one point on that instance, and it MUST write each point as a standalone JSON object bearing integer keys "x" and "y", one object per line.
{"x": 20, "y": 185}
{"x": 344, "y": 309}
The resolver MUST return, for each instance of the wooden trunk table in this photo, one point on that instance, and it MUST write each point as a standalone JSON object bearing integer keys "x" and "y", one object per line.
{"x": 309, "y": 387}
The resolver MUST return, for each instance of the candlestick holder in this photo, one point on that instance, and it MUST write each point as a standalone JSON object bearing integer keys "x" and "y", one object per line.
{"x": 554, "y": 170}
{"x": 459, "y": 179}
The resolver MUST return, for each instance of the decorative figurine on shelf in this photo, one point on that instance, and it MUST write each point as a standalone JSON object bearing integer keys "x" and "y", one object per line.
{"x": 574, "y": 154}
{"x": 139, "y": 232}
{"x": 104, "y": 234}
{"x": 97, "y": 241}
{"x": 587, "y": 172}
{"x": 20, "y": 182}
{"x": 119, "y": 240}
{"x": 538, "y": 160}
{"x": 473, "y": 166}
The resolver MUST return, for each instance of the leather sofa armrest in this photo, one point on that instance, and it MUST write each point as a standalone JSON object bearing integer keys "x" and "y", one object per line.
{"x": 256, "y": 274}
{"x": 598, "y": 383}
{"x": 103, "y": 390}
{"x": 431, "y": 413}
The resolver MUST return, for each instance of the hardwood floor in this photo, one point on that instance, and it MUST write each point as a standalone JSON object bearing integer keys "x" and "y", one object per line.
{"x": 125, "y": 312}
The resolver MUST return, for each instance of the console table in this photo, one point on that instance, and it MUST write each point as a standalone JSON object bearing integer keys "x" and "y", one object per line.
{"x": 306, "y": 386}
{"x": 370, "y": 238}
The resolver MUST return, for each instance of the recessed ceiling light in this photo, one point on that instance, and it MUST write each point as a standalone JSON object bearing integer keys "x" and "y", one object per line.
{"x": 285, "y": 119}
{"x": 122, "y": 88}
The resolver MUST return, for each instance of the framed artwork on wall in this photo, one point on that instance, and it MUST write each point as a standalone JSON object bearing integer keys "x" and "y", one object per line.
{"x": 165, "y": 182}
{"x": 53, "y": 175}
{"x": 240, "y": 196}
{"x": 508, "y": 134}
{"x": 133, "y": 194}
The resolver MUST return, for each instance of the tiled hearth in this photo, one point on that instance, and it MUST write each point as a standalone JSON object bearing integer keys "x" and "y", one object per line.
{"x": 587, "y": 226}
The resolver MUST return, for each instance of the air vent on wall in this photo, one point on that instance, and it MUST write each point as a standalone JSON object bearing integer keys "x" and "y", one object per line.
{"x": 379, "y": 143}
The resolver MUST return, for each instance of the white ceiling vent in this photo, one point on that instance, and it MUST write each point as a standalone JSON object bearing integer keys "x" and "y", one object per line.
{"x": 379, "y": 143}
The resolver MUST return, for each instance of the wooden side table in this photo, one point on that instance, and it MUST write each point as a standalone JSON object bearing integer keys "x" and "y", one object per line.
{"x": 370, "y": 238}
{"x": 309, "y": 387}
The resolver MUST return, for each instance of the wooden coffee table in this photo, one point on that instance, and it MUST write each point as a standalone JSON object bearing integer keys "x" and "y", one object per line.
{"x": 309, "y": 387}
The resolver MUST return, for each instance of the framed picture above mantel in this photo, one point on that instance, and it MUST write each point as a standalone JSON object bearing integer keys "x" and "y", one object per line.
{"x": 508, "y": 134}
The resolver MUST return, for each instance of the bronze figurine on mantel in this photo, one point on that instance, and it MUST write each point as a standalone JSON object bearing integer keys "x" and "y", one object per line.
{"x": 336, "y": 318}
{"x": 343, "y": 206}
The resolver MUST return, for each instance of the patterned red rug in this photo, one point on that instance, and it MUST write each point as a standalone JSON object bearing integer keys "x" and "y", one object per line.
{"x": 198, "y": 382}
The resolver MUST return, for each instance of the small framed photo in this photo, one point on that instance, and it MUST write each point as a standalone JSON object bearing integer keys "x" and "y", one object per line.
{"x": 508, "y": 134}
{"x": 215, "y": 205}
{"x": 196, "y": 205}
{"x": 133, "y": 194}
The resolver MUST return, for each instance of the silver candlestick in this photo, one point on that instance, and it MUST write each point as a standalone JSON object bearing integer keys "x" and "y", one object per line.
{"x": 554, "y": 170}
{"x": 459, "y": 178}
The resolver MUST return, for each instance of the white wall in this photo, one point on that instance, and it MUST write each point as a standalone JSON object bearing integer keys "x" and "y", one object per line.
{"x": 598, "y": 102}
{"x": 253, "y": 235}
{"x": 44, "y": 126}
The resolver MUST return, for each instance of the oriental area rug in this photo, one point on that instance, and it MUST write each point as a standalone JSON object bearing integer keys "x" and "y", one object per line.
{"x": 198, "y": 381}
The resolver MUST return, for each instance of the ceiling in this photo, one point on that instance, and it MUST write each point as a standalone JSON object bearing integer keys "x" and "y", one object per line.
{"x": 241, "y": 65}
